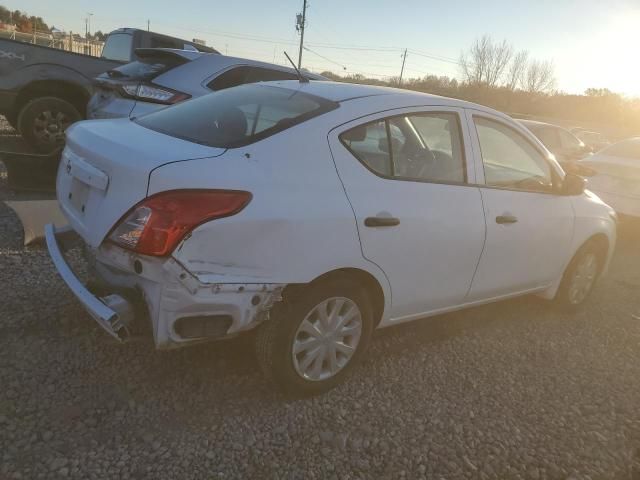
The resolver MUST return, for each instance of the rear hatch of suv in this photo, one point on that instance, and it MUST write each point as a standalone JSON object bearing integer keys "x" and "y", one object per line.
{"x": 117, "y": 91}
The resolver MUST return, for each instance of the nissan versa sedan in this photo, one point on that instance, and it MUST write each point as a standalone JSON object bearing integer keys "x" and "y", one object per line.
{"x": 315, "y": 212}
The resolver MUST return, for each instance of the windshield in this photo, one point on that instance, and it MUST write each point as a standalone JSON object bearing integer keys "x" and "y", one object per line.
{"x": 237, "y": 116}
{"x": 118, "y": 47}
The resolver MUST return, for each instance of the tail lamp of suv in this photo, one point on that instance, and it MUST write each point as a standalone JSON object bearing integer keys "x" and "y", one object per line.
{"x": 157, "y": 224}
{"x": 152, "y": 93}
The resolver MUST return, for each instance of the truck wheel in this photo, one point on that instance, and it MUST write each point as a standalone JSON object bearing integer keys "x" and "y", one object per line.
{"x": 12, "y": 120}
{"x": 314, "y": 339}
{"x": 43, "y": 121}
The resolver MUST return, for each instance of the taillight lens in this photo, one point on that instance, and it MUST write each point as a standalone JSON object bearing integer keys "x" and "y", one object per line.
{"x": 157, "y": 224}
{"x": 151, "y": 93}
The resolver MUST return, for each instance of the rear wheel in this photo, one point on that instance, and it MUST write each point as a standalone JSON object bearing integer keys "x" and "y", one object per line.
{"x": 43, "y": 121}
{"x": 314, "y": 339}
{"x": 579, "y": 277}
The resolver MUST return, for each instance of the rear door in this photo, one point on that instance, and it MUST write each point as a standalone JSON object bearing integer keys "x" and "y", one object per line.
{"x": 529, "y": 227}
{"x": 408, "y": 178}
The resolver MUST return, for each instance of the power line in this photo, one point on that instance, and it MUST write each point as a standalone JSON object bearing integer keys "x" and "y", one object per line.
{"x": 325, "y": 58}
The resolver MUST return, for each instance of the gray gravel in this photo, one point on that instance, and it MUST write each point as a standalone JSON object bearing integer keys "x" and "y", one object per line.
{"x": 511, "y": 390}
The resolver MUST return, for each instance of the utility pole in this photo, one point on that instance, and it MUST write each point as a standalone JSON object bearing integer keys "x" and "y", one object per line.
{"x": 404, "y": 58}
{"x": 300, "y": 20}
{"x": 87, "y": 25}
{"x": 148, "y": 24}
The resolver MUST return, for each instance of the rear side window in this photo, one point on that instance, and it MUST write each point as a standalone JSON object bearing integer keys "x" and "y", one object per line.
{"x": 146, "y": 68}
{"x": 238, "y": 116}
{"x": 421, "y": 146}
{"x": 118, "y": 47}
{"x": 241, "y": 75}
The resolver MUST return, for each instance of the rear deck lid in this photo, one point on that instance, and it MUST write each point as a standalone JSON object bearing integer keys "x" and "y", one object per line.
{"x": 105, "y": 170}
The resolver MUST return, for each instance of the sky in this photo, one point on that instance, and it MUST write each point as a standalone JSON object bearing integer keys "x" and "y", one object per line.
{"x": 593, "y": 44}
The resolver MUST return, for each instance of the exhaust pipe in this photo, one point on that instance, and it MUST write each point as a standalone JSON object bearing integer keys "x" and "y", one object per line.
{"x": 123, "y": 318}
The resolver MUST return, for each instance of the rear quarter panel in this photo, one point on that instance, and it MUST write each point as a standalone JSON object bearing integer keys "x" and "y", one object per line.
{"x": 298, "y": 225}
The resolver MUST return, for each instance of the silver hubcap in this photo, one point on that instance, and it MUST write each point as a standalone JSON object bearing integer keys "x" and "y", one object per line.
{"x": 583, "y": 278}
{"x": 327, "y": 338}
{"x": 49, "y": 126}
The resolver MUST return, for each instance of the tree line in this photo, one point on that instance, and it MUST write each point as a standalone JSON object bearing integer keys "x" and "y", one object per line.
{"x": 496, "y": 75}
{"x": 25, "y": 23}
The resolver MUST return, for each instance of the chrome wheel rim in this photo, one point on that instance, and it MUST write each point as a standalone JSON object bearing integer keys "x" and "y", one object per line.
{"x": 327, "y": 339}
{"x": 49, "y": 126}
{"x": 583, "y": 278}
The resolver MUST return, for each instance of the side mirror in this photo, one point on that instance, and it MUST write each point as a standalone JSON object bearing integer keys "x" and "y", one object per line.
{"x": 573, "y": 185}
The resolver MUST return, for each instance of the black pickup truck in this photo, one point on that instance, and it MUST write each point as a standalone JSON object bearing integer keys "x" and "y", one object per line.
{"x": 43, "y": 90}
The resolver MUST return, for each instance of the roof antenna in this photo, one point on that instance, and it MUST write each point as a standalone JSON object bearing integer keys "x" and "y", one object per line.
{"x": 301, "y": 77}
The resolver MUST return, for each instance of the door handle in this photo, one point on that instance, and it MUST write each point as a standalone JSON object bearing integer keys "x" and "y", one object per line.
{"x": 381, "y": 221}
{"x": 506, "y": 219}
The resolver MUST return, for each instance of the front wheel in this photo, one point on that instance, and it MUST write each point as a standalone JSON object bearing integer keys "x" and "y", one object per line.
{"x": 579, "y": 277}
{"x": 314, "y": 339}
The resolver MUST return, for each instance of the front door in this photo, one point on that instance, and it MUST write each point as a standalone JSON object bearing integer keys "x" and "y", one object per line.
{"x": 418, "y": 216}
{"x": 529, "y": 227}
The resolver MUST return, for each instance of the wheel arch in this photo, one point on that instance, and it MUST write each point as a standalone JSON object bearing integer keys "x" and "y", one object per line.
{"x": 77, "y": 95}
{"x": 359, "y": 276}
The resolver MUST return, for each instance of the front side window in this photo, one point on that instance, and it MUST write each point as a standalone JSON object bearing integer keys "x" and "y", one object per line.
{"x": 238, "y": 116}
{"x": 569, "y": 141}
{"x": 510, "y": 160}
{"x": 422, "y": 146}
{"x": 548, "y": 136}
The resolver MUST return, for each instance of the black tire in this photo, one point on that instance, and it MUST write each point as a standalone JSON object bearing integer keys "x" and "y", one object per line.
{"x": 43, "y": 121}
{"x": 564, "y": 298}
{"x": 275, "y": 337}
{"x": 12, "y": 120}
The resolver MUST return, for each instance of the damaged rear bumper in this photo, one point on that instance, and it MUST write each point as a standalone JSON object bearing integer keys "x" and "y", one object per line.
{"x": 113, "y": 312}
{"x": 182, "y": 309}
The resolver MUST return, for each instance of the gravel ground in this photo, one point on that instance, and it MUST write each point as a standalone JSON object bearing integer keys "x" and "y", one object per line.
{"x": 510, "y": 390}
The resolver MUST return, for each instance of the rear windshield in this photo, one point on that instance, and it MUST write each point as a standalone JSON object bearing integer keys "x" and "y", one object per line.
{"x": 146, "y": 68}
{"x": 236, "y": 116}
{"x": 118, "y": 47}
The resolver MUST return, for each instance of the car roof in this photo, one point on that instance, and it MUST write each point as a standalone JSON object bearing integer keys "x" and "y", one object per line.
{"x": 343, "y": 92}
{"x": 188, "y": 54}
{"x": 536, "y": 123}
{"x": 224, "y": 61}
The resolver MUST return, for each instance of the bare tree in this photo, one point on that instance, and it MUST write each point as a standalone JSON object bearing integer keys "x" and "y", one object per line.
{"x": 485, "y": 62}
{"x": 517, "y": 69}
{"x": 539, "y": 76}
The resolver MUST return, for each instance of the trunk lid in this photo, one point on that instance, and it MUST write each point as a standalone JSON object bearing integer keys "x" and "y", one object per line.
{"x": 105, "y": 168}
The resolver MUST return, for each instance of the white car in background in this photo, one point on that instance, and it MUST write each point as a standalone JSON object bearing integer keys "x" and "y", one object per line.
{"x": 317, "y": 212}
{"x": 165, "y": 76}
{"x": 617, "y": 176}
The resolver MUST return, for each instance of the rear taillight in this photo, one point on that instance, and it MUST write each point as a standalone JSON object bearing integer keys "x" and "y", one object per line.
{"x": 152, "y": 93}
{"x": 158, "y": 223}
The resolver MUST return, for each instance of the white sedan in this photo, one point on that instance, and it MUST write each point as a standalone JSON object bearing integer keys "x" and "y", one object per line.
{"x": 617, "y": 176}
{"x": 317, "y": 212}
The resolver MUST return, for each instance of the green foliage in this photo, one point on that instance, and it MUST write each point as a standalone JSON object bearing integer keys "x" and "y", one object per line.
{"x": 22, "y": 20}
